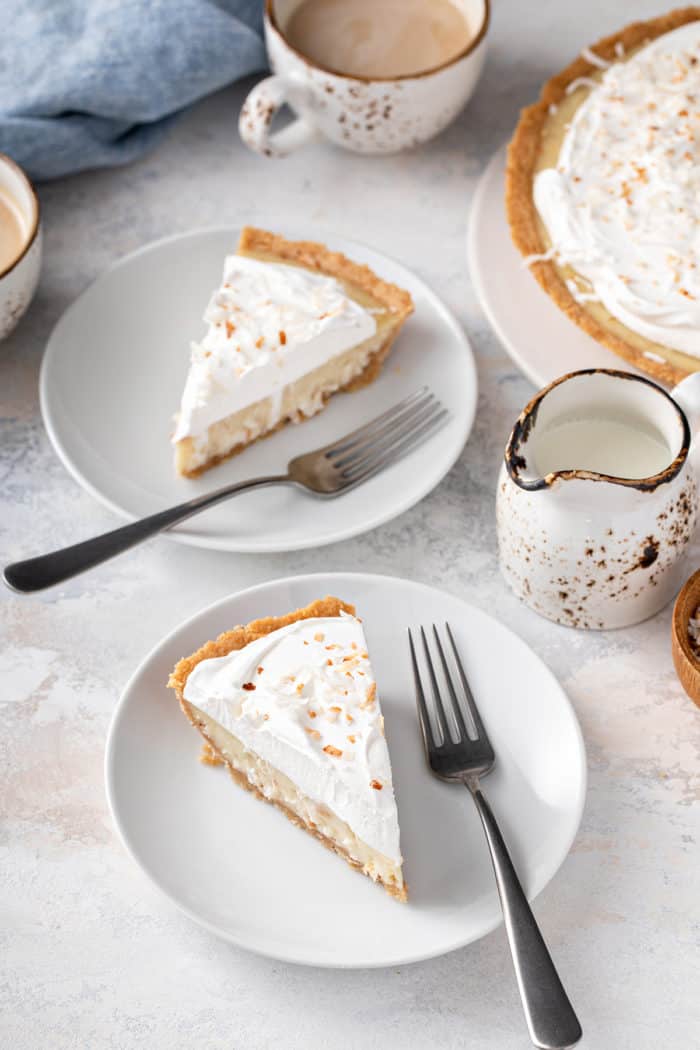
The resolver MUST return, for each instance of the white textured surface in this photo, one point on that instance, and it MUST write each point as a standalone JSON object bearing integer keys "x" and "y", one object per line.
{"x": 91, "y": 956}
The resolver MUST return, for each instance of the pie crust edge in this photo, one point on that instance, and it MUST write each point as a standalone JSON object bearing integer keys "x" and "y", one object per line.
{"x": 240, "y": 636}
{"x": 318, "y": 257}
{"x": 523, "y": 153}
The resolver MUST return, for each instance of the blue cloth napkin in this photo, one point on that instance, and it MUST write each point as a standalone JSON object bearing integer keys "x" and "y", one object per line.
{"x": 91, "y": 83}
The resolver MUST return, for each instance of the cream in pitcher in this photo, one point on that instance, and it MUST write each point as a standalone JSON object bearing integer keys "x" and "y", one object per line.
{"x": 597, "y": 498}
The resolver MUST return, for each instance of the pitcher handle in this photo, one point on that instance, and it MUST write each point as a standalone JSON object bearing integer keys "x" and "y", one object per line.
{"x": 687, "y": 394}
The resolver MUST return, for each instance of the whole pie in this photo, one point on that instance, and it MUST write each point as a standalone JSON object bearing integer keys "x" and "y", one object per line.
{"x": 289, "y": 704}
{"x": 290, "y": 324}
{"x": 603, "y": 192}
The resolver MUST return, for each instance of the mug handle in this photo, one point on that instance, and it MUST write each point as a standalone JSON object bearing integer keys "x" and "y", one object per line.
{"x": 260, "y": 109}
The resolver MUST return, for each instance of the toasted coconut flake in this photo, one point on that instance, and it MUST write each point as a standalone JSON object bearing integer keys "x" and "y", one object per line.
{"x": 334, "y": 751}
{"x": 248, "y": 686}
{"x": 371, "y": 696}
{"x": 376, "y": 784}
{"x": 209, "y": 757}
{"x": 352, "y": 738}
{"x": 319, "y": 636}
{"x": 313, "y": 733}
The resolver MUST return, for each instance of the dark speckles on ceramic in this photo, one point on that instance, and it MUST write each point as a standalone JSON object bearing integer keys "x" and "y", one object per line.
{"x": 626, "y": 579}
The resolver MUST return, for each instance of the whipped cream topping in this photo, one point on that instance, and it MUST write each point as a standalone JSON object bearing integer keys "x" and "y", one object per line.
{"x": 622, "y": 207}
{"x": 269, "y": 325}
{"x": 304, "y": 699}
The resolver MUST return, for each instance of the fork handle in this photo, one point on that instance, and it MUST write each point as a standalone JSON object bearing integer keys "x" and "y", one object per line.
{"x": 48, "y": 569}
{"x": 550, "y": 1017}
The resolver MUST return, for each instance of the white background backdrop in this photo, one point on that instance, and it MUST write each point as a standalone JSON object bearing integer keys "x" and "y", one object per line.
{"x": 91, "y": 955}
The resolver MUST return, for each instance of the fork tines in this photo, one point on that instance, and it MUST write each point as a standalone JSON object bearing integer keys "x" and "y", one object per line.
{"x": 388, "y": 437}
{"x": 452, "y": 723}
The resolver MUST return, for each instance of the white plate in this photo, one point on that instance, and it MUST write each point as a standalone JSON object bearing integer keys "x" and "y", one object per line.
{"x": 540, "y": 339}
{"x": 244, "y": 872}
{"x": 113, "y": 375}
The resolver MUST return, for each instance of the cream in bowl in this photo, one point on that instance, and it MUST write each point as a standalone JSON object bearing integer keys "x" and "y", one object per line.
{"x": 20, "y": 243}
{"x": 372, "y": 76}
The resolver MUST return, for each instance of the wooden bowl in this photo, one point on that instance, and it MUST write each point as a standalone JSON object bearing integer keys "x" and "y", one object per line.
{"x": 687, "y": 666}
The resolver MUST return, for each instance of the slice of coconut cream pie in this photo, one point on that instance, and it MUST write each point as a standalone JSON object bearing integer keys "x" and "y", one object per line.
{"x": 291, "y": 324}
{"x": 290, "y": 705}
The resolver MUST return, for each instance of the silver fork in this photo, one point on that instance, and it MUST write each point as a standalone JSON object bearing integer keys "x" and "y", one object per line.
{"x": 326, "y": 472}
{"x": 462, "y": 755}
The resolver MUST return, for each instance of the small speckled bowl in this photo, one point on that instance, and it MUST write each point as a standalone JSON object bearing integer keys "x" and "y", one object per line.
{"x": 362, "y": 114}
{"x": 687, "y": 665}
{"x": 19, "y": 280}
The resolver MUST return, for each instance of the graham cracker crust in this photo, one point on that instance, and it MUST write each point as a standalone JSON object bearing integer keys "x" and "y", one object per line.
{"x": 317, "y": 257}
{"x": 525, "y": 224}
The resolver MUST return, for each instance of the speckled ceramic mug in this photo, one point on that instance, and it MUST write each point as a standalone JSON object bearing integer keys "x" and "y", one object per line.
{"x": 595, "y": 550}
{"x": 367, "y": 115}
{"x": 18, "y": 281}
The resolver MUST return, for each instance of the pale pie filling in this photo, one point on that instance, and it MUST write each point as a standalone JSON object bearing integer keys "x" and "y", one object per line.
{"x": 299, "y": 400}
{"x": 278, "y": 788}
{"x": 280, "y": 340}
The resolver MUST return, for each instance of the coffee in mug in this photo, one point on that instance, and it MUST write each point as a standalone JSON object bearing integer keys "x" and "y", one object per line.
{"x": 20, "y": 243}
{"x": 13, "y": 234}
{"x": 371, "y": 76}
{"x": 379, "y": 38}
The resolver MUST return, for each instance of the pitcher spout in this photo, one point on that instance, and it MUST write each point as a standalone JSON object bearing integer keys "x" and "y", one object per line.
{"x": 600, "y": 425}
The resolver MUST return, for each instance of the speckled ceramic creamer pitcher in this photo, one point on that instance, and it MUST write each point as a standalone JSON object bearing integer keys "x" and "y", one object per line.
{"x": 598, "y": 497}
